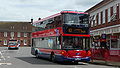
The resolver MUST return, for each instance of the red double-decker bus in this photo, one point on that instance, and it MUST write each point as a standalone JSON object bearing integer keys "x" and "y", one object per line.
{"x": 62, "y": 37}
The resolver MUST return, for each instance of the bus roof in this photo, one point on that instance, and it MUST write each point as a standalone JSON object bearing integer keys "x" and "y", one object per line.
{"x": 48, "y": 17}
{"x": 78, "y": 12}
{"x": 58, "y": 14}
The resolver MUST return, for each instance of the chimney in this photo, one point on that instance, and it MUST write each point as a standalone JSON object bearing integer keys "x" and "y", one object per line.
{"x": 39, "y": 18}
{"x": 31, "y": 20}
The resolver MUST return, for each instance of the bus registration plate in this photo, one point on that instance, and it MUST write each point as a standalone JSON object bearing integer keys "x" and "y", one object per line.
{"x": 77, "y": 58}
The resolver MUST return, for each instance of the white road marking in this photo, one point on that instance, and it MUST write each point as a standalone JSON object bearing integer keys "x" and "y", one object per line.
{"x": 69, "y": 66}
{"x": 3, "y": 58}
{"x": 9, "y": 63}
{"x": 82, "y": 63}
{"x": 5, "y": 63}
{"x": 4, "y": 51}
{"x": 8, "y": 56}
{"x": 2, "y": 55}
{"x": 77, "y": 67}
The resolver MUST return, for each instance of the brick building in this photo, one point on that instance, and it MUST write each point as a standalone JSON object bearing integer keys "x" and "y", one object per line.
{"x": 105, "y": 19}
{"x": 20, "y": 31}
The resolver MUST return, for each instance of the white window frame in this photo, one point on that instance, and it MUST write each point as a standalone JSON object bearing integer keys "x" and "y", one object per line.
{"x": 18, "y": 34}
{"x": 92, "y": 24}
{"x": 103, "y": 17}
{"x": 109, "y": 15}
{"x": 19, "y": 41}
{"x": 25, "y": 42}
{"x": 95, "y": 23}
{"x": 12, "y": 34}
{"x": 25, "y": 34}
{"x": 99, "y": 18}
{"x": 5, "y": 42}
{"x": 91, "y": 21}
{"x": 5, "y": 34}
{"x": 114, "y": 9}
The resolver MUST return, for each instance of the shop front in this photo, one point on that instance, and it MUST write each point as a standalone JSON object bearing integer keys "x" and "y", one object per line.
{"x": 106, "y": 45}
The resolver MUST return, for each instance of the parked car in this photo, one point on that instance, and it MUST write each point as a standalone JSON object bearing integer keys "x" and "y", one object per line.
{"x": 13, "y": 46}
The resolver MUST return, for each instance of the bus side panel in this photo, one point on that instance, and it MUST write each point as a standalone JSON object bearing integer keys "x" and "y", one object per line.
{"x": 40, "y": 52}
{"x": 45, "y": 53}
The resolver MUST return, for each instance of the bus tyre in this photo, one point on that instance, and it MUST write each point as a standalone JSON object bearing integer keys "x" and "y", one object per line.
{"x": 36, "y": 54}
{"x": 53, "y": 58}
{"x": 75, "y": 62}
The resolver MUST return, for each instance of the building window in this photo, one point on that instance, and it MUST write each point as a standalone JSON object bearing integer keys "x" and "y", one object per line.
{"x": 114, "y": 9}
{"x": 12, "y": 34}
{"x": 0, "y": 34}
{"x": 5, "y": 34}
{"x": 12, "y": 27}
{"x": 91, "y": 24}
{"x": 24, "y": 27}
{"x": 25, "y": 34}
{"x": 94, "y": 21}
{"x": 117, "y": 11}
{"x": 119, "y": 43}
{"x": 99, "y": 22}
{"x": 19, "y": 42}
{"x": 114, "y": 43}
{"x": 111, "y": 11}
{"x": 25, "y": 42}
{"x": 18, "y": 34}
{"x": 5, "y": 42}
{"x": 29, "y": 34}
{"x": 97, "y": 18}
{"x": 91, "y": 20}
{"x": 108, "y": 14}
{"x": 103, "y": 18}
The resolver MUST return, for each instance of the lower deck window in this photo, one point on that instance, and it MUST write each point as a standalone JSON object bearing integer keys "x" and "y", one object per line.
{"x": 5, "y": 42}
{"x": 75, "y": 43}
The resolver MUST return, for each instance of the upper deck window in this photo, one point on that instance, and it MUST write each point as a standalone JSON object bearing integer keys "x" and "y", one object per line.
{"x": 76, "y": 19}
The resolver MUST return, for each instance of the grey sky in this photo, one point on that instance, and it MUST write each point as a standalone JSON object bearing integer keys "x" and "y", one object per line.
{"x": 24, "y": 10}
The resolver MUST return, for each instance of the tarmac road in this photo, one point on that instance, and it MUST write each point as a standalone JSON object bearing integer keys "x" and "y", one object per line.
{"x": 22, "y": 58}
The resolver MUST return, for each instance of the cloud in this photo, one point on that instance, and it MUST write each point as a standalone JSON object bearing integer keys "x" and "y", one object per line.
{"x": 24, "y": 10}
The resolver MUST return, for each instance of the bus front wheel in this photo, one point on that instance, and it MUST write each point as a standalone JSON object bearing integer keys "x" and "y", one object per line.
{"x": 36, "y": 54}
{"x": 52, "y": 58}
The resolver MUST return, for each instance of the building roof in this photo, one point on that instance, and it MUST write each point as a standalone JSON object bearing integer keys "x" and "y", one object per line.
{"x": 97, "y": 6}
{"x": 9, "y": 26}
